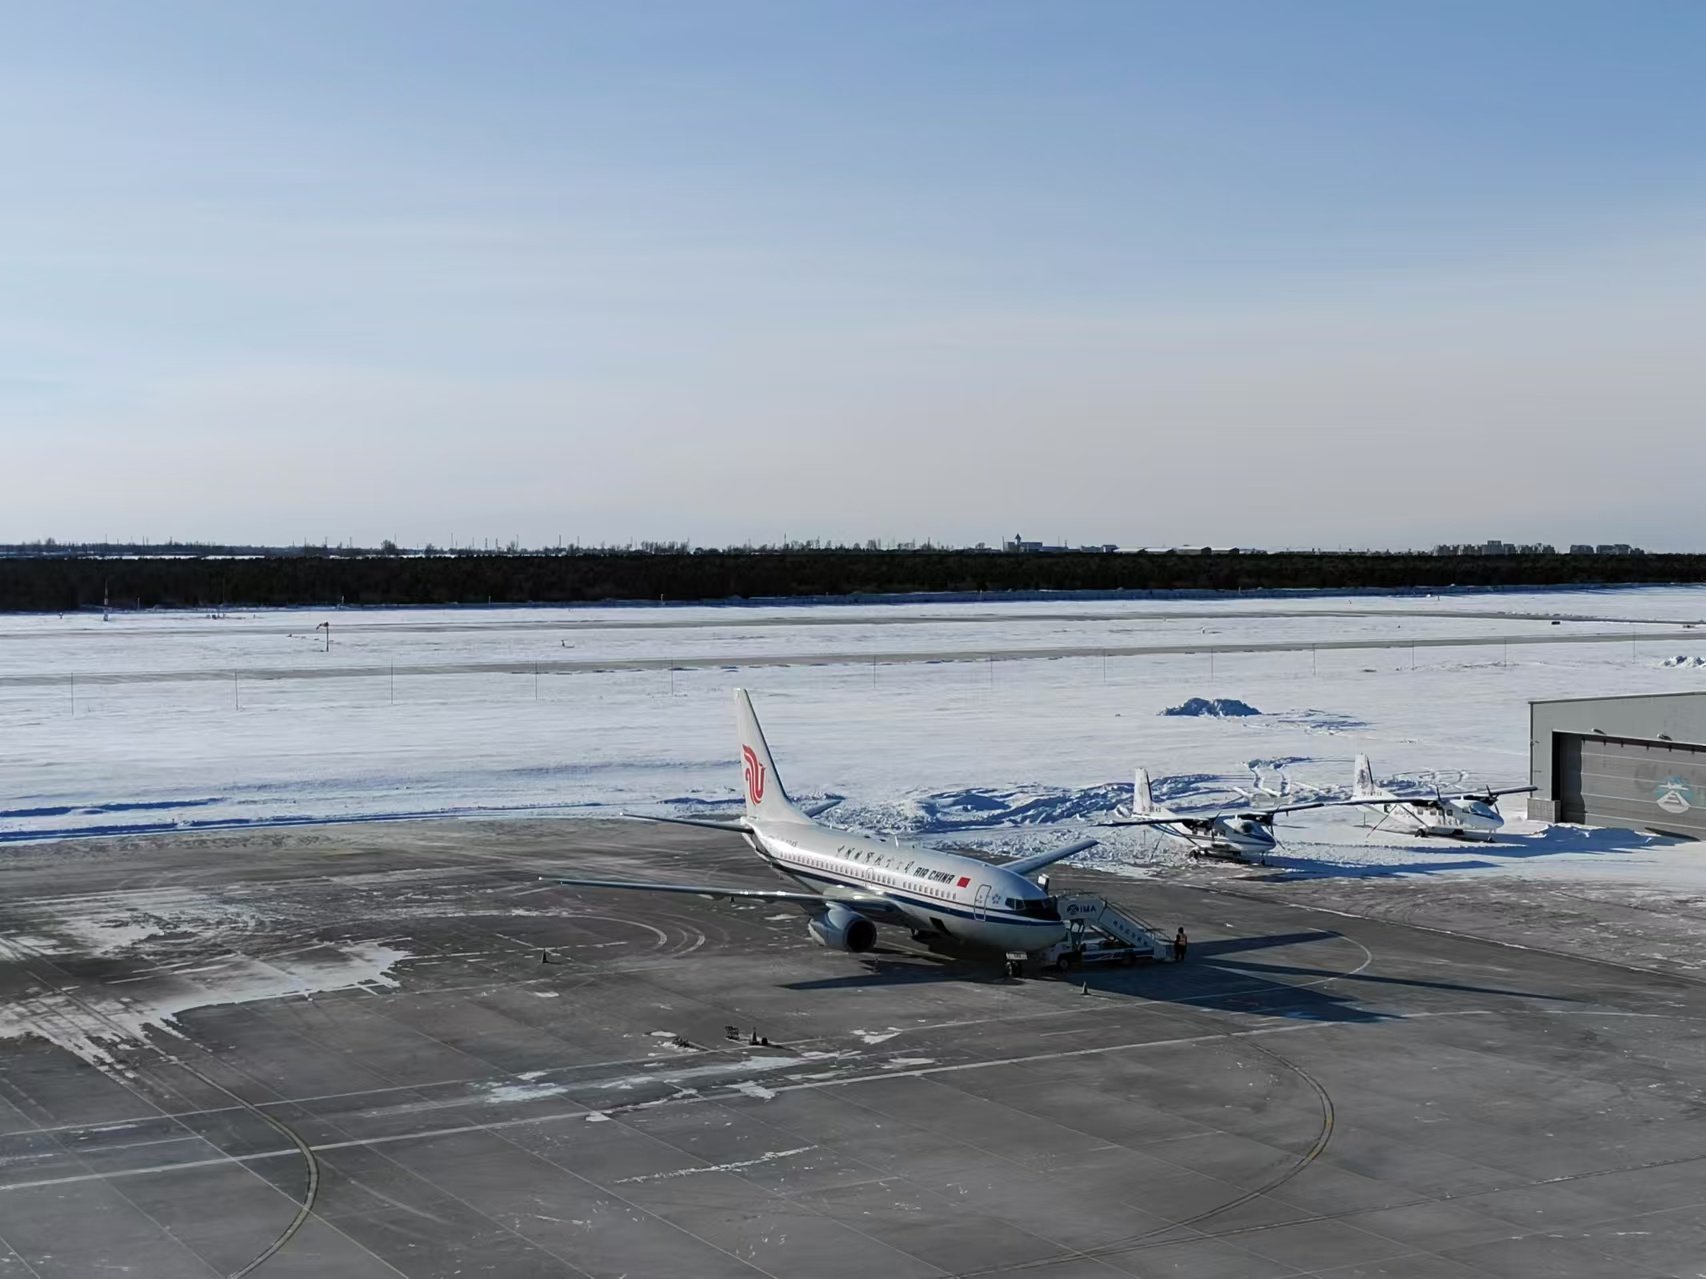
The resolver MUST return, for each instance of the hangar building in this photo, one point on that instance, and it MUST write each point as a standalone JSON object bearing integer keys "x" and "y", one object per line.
{"x": 1633, "y": 762}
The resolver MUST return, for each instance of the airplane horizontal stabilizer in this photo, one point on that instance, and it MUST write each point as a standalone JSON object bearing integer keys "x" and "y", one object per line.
{"x": 708, "y": 823}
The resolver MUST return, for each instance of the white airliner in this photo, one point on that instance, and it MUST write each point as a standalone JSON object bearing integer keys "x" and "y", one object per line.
{"x": 852, "y": 883}
{"x": 1461, "y": 815}
{"x": 1222, "y": 833}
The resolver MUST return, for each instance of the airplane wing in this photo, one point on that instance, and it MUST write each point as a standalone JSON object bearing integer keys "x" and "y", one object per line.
{"x": 1036, "y": 861}
{"x": 1313, "y": 803}
{"x": 708, "y": 823}
{"x": 1387, "y": 801}
{"x": 1152, "y": 819}
{"x": 873, "y": 905}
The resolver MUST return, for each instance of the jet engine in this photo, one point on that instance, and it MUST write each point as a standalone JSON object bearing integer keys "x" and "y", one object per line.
{"x": 841, "y": 929}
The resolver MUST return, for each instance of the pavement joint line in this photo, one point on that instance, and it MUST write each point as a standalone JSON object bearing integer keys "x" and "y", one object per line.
{"x": 439, "y": 1188}
{"x": 803, "y": 1086}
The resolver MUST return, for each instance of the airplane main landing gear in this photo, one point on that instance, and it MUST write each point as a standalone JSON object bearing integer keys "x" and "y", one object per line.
{"x": 1015, "y": 967}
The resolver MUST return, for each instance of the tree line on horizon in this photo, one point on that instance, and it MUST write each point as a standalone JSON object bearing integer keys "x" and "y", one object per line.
{"x": 69, "y": 583}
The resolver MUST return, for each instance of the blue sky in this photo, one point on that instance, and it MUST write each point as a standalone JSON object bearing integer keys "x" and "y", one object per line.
{"x": 1313, "y": 274}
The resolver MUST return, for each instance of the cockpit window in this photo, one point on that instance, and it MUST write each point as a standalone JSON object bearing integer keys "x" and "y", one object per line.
{"x": 1034, "y": 907}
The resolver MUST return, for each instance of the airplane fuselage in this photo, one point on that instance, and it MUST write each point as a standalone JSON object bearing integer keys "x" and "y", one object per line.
{"x": 940, "y": 893}
{"x": 1234, "y": 837}
{"x": 1446, "y": 818}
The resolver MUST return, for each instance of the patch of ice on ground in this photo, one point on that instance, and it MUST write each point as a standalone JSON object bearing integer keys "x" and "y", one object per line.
{"x": 501, "y": 1094}
{"x": 737, "y": 1165}
{"x": 112, "y": 923}
{"x": 96, "y": 1023}
{"x": 710, "y": 1070}
{"x": 1321, "y": 721}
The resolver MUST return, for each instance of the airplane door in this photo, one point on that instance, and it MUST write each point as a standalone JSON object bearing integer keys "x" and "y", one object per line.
{"x": 981, "y": 903}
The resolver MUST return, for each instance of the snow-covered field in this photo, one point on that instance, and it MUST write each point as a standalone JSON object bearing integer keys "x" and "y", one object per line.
{"x": 171, "y": 720}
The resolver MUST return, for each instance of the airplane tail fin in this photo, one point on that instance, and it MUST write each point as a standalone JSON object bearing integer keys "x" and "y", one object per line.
{"x": 1142, "y": 802}
{"x": 1362, "y": 783}
{"x": 766, "y": 800}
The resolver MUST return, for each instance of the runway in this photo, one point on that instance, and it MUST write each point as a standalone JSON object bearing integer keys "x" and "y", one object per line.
{"x": 832, "y": 613}
{"x": 742, "y": 659}
{"x": 402, "y": 1086}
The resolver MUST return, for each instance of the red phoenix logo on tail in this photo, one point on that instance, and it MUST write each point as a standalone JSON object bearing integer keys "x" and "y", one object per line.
{"x": 753, "y": 771}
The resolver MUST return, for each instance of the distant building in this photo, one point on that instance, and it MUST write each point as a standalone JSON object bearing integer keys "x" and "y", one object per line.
{"x": 1494, "y": 547}
{"x": 1020, "y": 546}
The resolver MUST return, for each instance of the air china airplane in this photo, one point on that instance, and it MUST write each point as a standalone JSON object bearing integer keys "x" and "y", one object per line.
{"x": 848, "y": 884}
{"x": 1228, "y": 834}
{"x": 1463, "y": 815}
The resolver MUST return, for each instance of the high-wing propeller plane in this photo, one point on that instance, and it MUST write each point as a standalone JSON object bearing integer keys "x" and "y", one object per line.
{"x": 1470, "y": 814}
{"x": 847, "y": 884}
{"x": 1225, "y": 833}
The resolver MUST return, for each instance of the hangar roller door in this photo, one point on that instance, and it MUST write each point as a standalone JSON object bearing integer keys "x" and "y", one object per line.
{"x": 1620, "y": 781}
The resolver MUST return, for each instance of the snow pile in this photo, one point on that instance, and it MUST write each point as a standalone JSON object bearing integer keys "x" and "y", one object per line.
{"x": 979, "y": 807}
{"x": 1691, "y": 663}
{"x": 1217, "y": 707}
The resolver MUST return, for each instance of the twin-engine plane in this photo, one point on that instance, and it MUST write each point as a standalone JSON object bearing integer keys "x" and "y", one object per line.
{"x": 1222, "y": 833}
{"x": 1244, "y": 833}
{"x": 1460, "y": 815}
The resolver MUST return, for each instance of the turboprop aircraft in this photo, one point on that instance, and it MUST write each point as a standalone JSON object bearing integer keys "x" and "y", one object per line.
{"x": 848, "y": 884}
{"x": 1224, "y": 833}
{"x": 1461, "y": 815}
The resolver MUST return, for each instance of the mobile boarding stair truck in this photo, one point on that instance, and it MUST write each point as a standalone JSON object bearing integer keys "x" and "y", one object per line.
{"x": 1098, "y": 932}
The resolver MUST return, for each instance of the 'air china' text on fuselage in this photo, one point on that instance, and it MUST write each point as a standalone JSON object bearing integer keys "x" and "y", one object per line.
{"x": 940, "y": 892}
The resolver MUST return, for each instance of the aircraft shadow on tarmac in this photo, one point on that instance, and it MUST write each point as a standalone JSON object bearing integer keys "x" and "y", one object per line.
{"x": 1553, "y": 841}
{"x": 1208, "y": 978}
